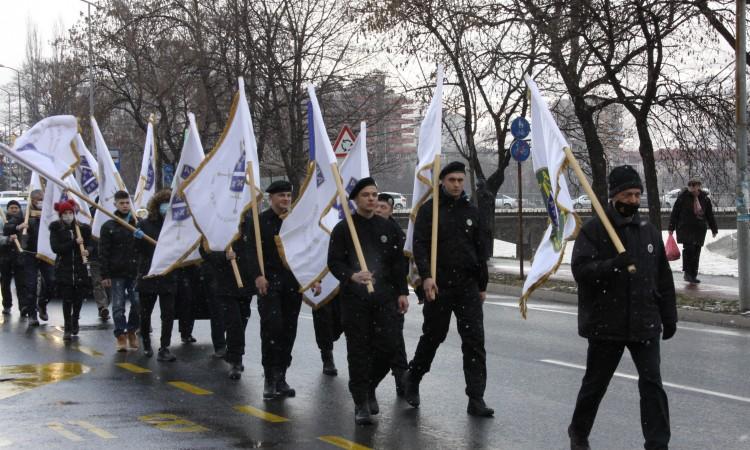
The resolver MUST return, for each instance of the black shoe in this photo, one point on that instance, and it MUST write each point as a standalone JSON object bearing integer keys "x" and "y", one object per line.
{"x": 235, "y": 373}
{"x": 103, "y": 314}
{"x": 219, "y": 354}
{"x": 362, "y": 414}
{"x": 43, "y": 312}
{"x": 165, "y": 355}
{"x": 578, "y": 442}
{"x": 329, "y": 367}
{"x": 696, "y": 281}
{"x": 33, "y": 321}
{"x": 398, "y": 377}
{"x": 6, "y": 311}
{"x": 372, "y": 402}
{"x": 283, "y": 388}
{"x": 411, "y": 389}
{"x": 74, "y": 327}
{"x": 67, "y": 336}
{"x": 270, "y": 389}
{"x": 147, "y": 350}
{"x": 478, "y": 408}
{"x": 189, "y": 339}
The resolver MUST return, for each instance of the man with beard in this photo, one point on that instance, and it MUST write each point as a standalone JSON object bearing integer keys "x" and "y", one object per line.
{"x": 11, "y": 265}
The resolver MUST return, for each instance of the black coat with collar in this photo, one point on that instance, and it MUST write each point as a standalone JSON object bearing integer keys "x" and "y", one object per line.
{"x": 117, "y": 254}
{"x": 615, "y": 304}
{"x": 691, "y": 229}
{"x": 69, "y": 268}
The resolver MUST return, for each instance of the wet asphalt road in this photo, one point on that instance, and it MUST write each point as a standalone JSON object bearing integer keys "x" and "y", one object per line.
{"x": 534, "y": 367}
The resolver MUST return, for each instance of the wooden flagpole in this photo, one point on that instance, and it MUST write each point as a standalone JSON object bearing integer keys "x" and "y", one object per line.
{"x": 596, "y": 204}
{"x": 80, "y": 246}
{"x": 256, "y": 223}
{"x": 435, "y": 206}
{"x": 348, "y": 216}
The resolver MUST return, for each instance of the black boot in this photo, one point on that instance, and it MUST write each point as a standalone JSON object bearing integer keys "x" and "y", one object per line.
{"x": 411, "y": 389}
{"x": 329, "y": 367}
{"x": 372, "y": 402}
{"x": 43, "y": 312}
{"x": 270, "y": 389}
{"x": 478, "y": 408}
{"x": 147, "y": 350}
{"x": 165, "y": 355}
{"x": 235, "y": 372}
{"x": 103, "y": 314}
{"x": 362, "y": 414}
{"x": 578, "y": 442}
{"x": 281, "y": 385}
{"x": 74, "y": 327}
{"x": 398, "y": 377}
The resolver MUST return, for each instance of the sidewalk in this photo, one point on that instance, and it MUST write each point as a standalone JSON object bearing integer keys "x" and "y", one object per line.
{"x": 713, "y": 287}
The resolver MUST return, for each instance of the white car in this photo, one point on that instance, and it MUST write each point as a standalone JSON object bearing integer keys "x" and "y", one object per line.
{"x": 582, "y": 202}
{"x": 506, "y": 202}
{"x": 399, "y": 200}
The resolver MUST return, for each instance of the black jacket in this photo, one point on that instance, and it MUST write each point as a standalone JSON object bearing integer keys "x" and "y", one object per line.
{"x": 33, "y": 231}
{"x": 276, "y": 271}
{"x": 145, "y": 251}
{"x": 615, "y": 304}
{"x": 9, "y": 250}
{"x": 69, "y": 267}
{"x": 691, "y": 229}
{"x": 461, "y": 247}
{"x": 117, "y": 255}
{"x": 221, "y": 269}
{"x": 383, "y": 249}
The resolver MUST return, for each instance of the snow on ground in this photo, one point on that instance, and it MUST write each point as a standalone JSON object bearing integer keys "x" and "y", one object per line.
{"x": 710, "y": 264}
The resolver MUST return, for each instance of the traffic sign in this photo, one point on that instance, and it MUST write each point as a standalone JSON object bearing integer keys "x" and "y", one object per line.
{"x": 520, "y": 150}
{"x": 520, "y": 128}
{"x": 344, "y": 142}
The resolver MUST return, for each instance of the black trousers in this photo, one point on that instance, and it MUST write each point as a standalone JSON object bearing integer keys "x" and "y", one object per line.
{"x": 184, "y": 301}
{"x": 279, "y": 312}
{"x": 218, "y": 326}
{"x": 691, "y": 255}
{"x": 11, "y": 268}
{"x": 236, "y": 316}
{"x": 34, "y": 267}
{"x": 72, "y": 299}
{"x": 370, "y": 327}
{"x": 601, "y": 362}
{"x": 465, "y": 303}
{"x": 166, "y": 307}
{"x": 327, "y": 324}
{"x": 399, "y": 364}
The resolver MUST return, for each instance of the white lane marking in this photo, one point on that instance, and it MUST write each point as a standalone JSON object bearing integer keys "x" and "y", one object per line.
{"x": 672, "y": 385}
{"x": 712, "y": 331}
{"x": 534, "y": 308}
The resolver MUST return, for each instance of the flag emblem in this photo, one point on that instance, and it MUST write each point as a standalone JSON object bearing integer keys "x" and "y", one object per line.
{"x": 238, "y": 177}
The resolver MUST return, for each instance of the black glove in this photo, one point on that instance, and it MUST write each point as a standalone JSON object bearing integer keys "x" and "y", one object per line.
{"x": 622, "y": 261}
{"x": 669, "y": 330}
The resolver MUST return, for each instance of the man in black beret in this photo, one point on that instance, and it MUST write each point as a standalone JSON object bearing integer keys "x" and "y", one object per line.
{"x": 619, "y": 309}
{"x": 462, "y": 277}
{"x": 279, "y": 299}
{"x": 370, "y": 319}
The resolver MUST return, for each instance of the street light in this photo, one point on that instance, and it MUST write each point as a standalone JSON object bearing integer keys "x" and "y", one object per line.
{"x": 91, "y": 70}
{"x": 20, "y": 118}
{"x": 9, "y": 113}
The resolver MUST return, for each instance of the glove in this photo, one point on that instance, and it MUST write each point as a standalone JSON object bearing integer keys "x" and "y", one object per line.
{"x": 669, "y": 330}
{"x": 622, "y": 261}
{"x": 138, "y": 234}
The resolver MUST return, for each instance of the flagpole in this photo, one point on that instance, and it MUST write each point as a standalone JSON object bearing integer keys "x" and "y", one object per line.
{"x": 435, "y": 205}
{"x": 29, "y": 203}
{"x": 81, "y": 246}
{"x": 256, "y": 223}
{"x": 348, "y": 216}
{"x": 596, "y": 204}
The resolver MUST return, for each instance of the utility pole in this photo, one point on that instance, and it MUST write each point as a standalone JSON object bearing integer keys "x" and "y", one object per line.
{"x": 20, "y": 116}
{"x": 91, "y": 74}
{"x": 742, "y": 189}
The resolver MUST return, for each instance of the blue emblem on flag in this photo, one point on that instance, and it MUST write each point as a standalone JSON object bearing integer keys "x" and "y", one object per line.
{"x": 186, "y": 171}
{"x": 150, "y": 176}
{"x": 319, "y": 178}
{"x": 238, "y": 177}
{"x": 349, "y": 186}
{"x": 87, "y": 178}
{"x": 179, "y": 207}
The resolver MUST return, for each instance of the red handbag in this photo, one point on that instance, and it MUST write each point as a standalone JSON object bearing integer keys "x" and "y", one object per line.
{"x": 673, "y": 252}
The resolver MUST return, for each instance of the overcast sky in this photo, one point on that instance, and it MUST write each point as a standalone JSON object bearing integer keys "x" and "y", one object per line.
{"x": 14, "y": 18}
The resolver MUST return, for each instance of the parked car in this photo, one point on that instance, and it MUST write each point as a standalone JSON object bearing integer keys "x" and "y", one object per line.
{"x": 582, "y": 202}
{"x": 506, "y": 202}
{"x": 399, "y": 200}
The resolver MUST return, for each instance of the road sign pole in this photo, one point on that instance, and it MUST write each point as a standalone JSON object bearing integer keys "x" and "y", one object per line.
{"x": 520, "y": 223}
{"x": 742, "y": 189}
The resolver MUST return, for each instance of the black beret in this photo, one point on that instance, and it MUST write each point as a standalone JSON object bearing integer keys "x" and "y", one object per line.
{"x": 361, "y": 184}
{"x": 279, "y": 186}
{"x": 451, "y": 167}
{"x": 11, "y": 203}
{"x": 622, "y": 178}
{"x": 388, "y": 198}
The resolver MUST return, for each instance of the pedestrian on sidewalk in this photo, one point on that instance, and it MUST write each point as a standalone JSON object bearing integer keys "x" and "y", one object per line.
{"x": 691, "y": 216}
{"x": 618, "y": 309}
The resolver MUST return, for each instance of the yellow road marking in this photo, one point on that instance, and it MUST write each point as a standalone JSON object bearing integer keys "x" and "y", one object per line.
{"x": 259, "y": 413}
{"x": 24, "y": 377}
{"x": 190, "y": 388}
{"x": 340, "y": 442}
{"x": 133, "y": 368}
{"x": 172, "y": 423}
{"x": 91, "y": 428}
{"x": 81, "y": 348}
{"x": 60, "y": 429}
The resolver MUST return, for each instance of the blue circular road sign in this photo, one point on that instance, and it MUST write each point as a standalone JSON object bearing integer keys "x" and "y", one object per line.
{"x": 520, "y": 128}
{"x": 520, "y": 150}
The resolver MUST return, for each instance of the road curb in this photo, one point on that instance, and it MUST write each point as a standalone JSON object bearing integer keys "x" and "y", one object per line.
{"x": 686, "y": 315}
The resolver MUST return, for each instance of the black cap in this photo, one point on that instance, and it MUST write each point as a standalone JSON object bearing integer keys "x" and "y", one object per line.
{"x": 361, "y": 184}
{"x": 388, "y": 198}
{"x": 11, "y": 203}
{"x": 622, "y": 178}
{"x": 451, "y": 167}
{"x": 279, "y": 186}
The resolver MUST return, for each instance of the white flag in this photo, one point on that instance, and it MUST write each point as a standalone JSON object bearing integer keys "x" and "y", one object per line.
{"x": 218, "y": 193}
{"x": 548, "y": 157}
{"x": 428, "y": 148}
{"x": 47, "y": 146}
{"x": 179, "y": 238}
{"x": 109, "y": 181}
{"x": 87, "y": 170}
{"x": 53, "y": 193}
{"x": 146, "y": 187}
